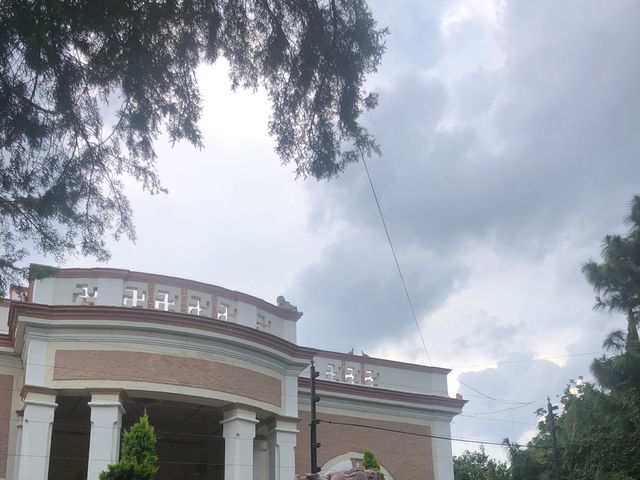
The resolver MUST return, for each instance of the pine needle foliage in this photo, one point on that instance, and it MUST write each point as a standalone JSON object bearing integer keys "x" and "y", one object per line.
{"x": 616, "y": 282}
{"x": 616, "y": 279}
{"x": 87, "y": 87}
{"x": 138, "y": 459}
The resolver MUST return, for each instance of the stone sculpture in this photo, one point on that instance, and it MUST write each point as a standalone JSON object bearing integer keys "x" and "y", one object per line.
{"x": 355, "y": 474}
{"x": 283, "y": 303}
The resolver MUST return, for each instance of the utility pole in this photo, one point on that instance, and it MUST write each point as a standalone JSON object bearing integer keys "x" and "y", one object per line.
{"x": 314, "y": 421}
{"x": 551, "y": 422}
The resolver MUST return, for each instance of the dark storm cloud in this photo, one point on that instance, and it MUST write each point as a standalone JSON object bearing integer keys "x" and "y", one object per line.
{"x": 556, "y": 146}
{"x": 357, "y": 298}
{"x": 487, "y": 331}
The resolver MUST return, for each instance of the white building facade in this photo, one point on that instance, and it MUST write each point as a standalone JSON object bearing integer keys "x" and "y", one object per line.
{"x": 85, "y": 352}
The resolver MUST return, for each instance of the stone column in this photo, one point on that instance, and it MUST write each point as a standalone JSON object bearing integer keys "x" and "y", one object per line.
{"x": 442, "y": 456}
{"x": 260, "y": 459}
{"x": 106, "y": 423}
{"x": 16, "y": 463}
{"x": 282, "y": 448}
{"x": 39, "y": 406}
{"x": 238, "y": 430}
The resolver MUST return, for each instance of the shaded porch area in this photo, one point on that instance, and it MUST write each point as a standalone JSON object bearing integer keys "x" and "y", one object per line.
{"x": 190, "y": 441}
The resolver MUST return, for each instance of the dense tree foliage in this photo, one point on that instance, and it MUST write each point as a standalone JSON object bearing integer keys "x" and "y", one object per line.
{"x": 479, "y": 466}
{"x": 86, "y": 88}
{"x": 598, "y": 436}
{"x": 138, "y": 459}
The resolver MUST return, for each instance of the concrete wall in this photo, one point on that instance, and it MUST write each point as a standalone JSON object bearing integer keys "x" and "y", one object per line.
{"x": 6, "y": 389}
{"x": 4, "y": 318}
{"x": 405, "y": 457}
{"x": 11, "y": 376}
{"x": 142, "y": 367}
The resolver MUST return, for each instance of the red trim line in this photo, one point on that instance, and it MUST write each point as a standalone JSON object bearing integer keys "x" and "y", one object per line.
{"x": 102, "y": 313}
{"x": 5, "y": 340}
{"x": 381, "y": 393}
{"x": 214, "y": 290}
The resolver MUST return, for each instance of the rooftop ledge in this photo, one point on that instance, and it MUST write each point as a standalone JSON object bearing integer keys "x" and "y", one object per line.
{"x": 133, "y": 276}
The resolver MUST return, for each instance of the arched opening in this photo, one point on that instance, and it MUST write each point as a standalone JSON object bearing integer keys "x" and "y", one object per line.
{"x": 350, "y": 460}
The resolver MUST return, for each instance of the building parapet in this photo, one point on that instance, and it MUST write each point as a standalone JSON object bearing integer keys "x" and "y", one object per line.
{"x": 137, "y": 290}
{"x": 350, "y": 369}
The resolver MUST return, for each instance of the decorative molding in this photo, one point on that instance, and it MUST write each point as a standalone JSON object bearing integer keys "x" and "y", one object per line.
{"x": 240, "y": 406}
{"x": 103, "y": 391}
{"x": 220, "y": 347}
{"x": 39, "y": 403}
{"x": 377, "y": 408}
{"x": 37, "y": 389}
{"x": 271, "y": 423}
{"x": 101, "y": 313}
{"x": 382, "y": 393}
{"x": 255, "y": 421}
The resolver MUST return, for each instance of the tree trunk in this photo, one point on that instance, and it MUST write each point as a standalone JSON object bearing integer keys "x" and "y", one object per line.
{"x": 632, "y": 331}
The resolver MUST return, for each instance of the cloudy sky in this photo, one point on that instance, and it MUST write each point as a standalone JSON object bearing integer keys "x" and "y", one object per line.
{"x": 511, "y": 145}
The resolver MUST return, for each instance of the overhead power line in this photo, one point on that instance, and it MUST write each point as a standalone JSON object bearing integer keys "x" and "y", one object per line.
{"x": 424, "y": 435}
{"x": 499, "y": 400}
{"x": 395, "y": 258}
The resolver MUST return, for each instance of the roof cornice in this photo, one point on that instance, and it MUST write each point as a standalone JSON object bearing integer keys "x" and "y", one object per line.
{"x": 135, "y": 315}
{"x": 382, "y": 393}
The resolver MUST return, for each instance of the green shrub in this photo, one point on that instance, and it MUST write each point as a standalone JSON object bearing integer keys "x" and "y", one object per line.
{"x": 370, "y": 462}
{"x": 138, "y": 460}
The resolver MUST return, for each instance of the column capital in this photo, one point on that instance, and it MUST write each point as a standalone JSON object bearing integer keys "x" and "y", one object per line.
{"x": 104, "y": 404}
{"x": 106, "y": 398}
{"x": 239, "y": 413}
{"x": 239, "y": 418}
{"x": 281, "y": 423}
{"x": 239, "y": 406}
{"x": 105, "y": 391}
{"x": 38, "y": 393}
